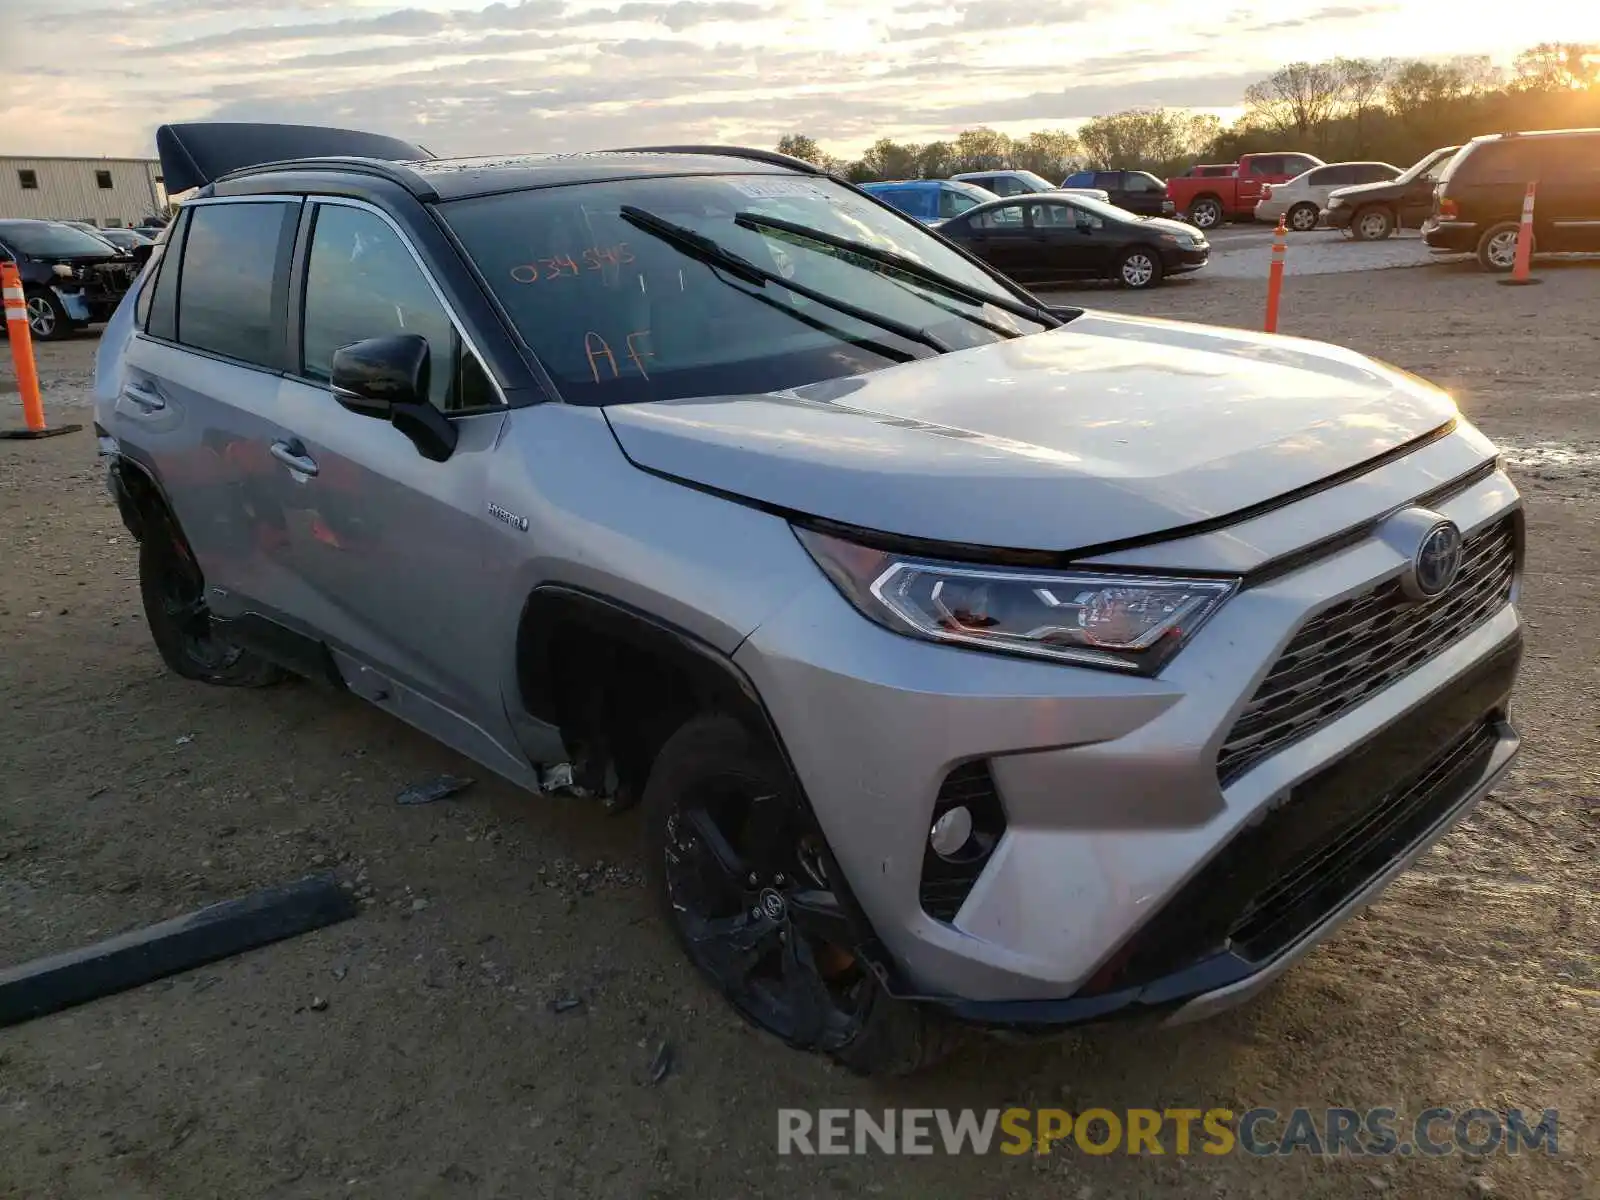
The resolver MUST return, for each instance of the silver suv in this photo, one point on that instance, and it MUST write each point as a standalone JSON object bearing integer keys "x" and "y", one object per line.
{"x": 974, "y": 662}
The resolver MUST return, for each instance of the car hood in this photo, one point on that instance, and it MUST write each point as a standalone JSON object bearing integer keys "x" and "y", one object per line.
{"x": 1168, "y": 225}
{"x": 1106, "y": 429}
{"x": 1374, "y": 190}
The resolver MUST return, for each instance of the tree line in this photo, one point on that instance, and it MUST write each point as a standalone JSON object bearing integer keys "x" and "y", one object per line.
{"x": 1388, "y": 109}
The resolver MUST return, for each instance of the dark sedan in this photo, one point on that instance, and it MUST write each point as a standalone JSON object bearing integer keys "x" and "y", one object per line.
{"x": 1050, "y": 239}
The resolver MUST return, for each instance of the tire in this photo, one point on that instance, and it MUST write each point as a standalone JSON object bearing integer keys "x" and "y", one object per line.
{"x": 1138, "y": 268}
{"x": 47, "y": 319}
{"x": 719, "y": 810}
{"x": 1372, "y": 224}
{"x": 173, "y": 593}
{"x": 1205, "y": 212}
{"x": 1497, "y": 248}
{"x": 1302, "y": 218}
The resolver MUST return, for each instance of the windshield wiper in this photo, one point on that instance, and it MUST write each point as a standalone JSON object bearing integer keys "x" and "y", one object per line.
{"x": 713, "y": 253}
{"x": 908, "y": 266}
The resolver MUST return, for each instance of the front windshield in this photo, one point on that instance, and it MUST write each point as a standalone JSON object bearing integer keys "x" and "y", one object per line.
{"x": 617, "y": 314}
{"x": 1433, "y": 167}
{"x": 1037, "y": 182}
{"x": 44, "y": 239}
{"x": 1101, "y": 208}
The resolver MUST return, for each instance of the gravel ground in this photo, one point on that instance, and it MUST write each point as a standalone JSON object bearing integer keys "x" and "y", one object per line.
{"x": 1243, "y": 252}
{"x": 414, "y": 1051}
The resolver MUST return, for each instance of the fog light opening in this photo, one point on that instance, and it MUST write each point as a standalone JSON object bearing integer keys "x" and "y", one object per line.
{"x": 951, "y": 833}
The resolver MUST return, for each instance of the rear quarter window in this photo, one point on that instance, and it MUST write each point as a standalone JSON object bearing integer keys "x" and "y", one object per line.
{"x": 1508, "y": 160}
{"x": 160, "y": 312}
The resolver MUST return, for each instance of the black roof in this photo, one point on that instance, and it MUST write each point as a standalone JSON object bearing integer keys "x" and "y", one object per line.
{"x": 202, "y": 153}
{"x": 455, "y": 178}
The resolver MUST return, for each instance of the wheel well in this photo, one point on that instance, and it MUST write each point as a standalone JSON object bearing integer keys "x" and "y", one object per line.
{"x": 139, "y": 499}
{"x": 618, "y": 683}
{"x": 1205, "y": 196}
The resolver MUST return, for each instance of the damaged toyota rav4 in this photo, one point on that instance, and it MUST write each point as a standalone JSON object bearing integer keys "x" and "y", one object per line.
{"x": 973, "y": 662}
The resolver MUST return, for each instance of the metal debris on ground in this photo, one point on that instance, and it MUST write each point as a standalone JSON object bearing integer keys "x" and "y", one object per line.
{"x": 318, "y": 1004}
{"x": 565, "y": 1004}
{"x": 661, "y": 1065}
{"x": 556, "y": 778}
{"x": 440, "y": 787}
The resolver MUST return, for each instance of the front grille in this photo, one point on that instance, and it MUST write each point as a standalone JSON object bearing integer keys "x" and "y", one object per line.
{"x": 1322, "y": 841}
{"x": 1361, "y": 645}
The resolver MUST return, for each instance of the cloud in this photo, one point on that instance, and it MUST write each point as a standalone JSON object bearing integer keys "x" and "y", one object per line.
{"x": 980, "y": 16}
{"x": 1333, "y": 12}
{"x": 677, "y": 16}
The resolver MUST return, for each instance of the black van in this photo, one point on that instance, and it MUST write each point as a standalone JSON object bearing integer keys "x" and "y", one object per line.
{"x": 1477, "y": 205}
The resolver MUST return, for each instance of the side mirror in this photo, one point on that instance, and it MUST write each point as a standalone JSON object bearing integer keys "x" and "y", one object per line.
{"x": 388, "y": 377}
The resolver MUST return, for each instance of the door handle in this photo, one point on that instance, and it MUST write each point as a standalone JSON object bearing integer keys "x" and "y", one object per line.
{"x": 293, "y": 456}
{"x": 147, "y": 398}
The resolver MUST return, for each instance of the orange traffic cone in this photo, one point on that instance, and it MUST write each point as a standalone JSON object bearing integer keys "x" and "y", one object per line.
{"x": 1521, "y": 270}
{"x": 1275, "y": 275}
{"x": 16, "y": 310}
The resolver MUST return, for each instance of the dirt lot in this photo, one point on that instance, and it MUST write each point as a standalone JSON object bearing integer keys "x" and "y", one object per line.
{"x": 413, "y": 1052}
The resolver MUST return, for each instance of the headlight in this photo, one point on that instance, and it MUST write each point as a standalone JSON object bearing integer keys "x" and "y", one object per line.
{"x": 1335, "y": 201}
{"x": 1092, "y": 619}
{"x": 1179, "y": 239}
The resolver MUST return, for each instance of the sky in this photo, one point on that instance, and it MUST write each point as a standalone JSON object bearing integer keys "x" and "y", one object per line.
{"x": 95, "y": 77}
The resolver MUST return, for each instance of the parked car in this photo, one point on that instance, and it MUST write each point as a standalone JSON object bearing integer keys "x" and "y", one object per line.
{"x": 1021, "y": 183}
{"x": 1136, "y": 191}
{"x": 971, "y": 661}
{"x": 1300, "y": 201}
{"x": 1373, "y": 211}
{"x": 130, "y": 241}
{"x": 929, "y": 200}
{"x": 1478, "y": 200}
{"x": 1209, "y": 200}
{"x": 1053, "y": 238}
{"x": 1211, "y": 171}
{"x": 69, "y": 277}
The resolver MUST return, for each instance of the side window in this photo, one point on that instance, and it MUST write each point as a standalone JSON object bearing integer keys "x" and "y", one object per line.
{"x": 953, "y": 203}
{"x": 1294, "y": 164}
{"x": 1052, "y": 216}
{"x": 1332, "y": 177}
{"x": 229, "y": 281}
{"x": 1375, "y": 173}
{"x": 1005, "y": 185}
{"x": 1267, "y": 164}
{"x": 1080, "y": 179}
{"x": 162, "y": 318}
{"x": 1140, "y": 183}
{"x": 362, "y": 282}
{"x": 1111, "y": 181}
{"x": 1001, "y": 218}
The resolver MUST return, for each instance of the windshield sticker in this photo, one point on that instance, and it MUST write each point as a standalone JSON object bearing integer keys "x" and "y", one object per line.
{"x": 774, "y": 189}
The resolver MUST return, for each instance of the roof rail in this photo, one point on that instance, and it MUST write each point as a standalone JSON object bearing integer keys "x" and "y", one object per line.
{"x": 771, "y": 157}
{"x": 394, "y": 172}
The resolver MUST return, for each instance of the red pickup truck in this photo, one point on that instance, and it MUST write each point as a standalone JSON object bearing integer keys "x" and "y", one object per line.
{"x": 1209, "y": 199}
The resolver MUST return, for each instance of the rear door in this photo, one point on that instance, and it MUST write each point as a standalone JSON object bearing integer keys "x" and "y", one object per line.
{"x": 386, "y": 543}
{"x": 1143, "y": 193}
{"x": 198, "y": 400}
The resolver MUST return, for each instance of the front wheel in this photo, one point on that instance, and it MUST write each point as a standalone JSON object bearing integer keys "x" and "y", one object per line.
{"x": 743, "y": 880}
{"x": 48, "y": 320}
{"x": 1303, "y": 218}
{"x": 1497, "y": 249}
{"x": 1372, "y": 224}
{"x": 1139, "y": 268}
{"x": 1206, "y": 213}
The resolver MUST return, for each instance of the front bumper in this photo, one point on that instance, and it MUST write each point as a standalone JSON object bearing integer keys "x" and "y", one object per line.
{"x": 1177, "y": 260}
{"x": 1109, "y": 784}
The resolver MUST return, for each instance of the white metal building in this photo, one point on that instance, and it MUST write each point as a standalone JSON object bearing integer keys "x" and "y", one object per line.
{"x": 106, "y": 191}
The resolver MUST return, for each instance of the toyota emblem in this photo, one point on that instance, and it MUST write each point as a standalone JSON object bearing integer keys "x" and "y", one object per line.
{"x": 1437, "y": 562}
